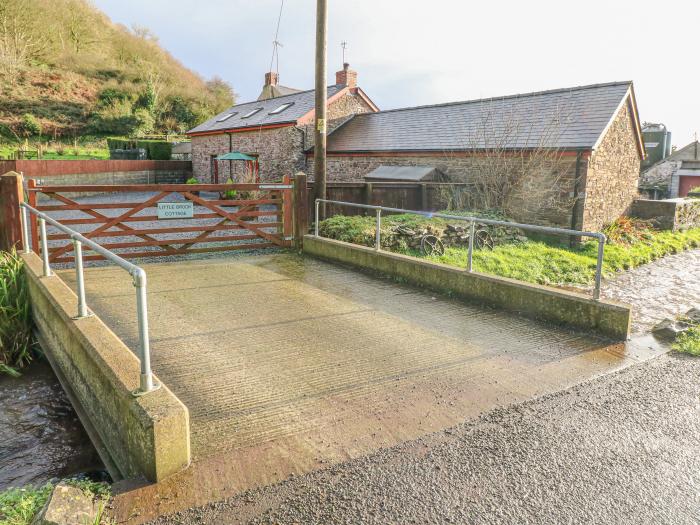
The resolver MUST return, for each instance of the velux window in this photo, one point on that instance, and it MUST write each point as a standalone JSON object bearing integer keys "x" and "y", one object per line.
{"x": 226, "y": 116}
{"x": 281, "y": 108}
{"x": 251, "y": 113}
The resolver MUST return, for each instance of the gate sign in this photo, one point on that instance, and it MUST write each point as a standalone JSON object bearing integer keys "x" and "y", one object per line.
{"x": 175, "y": 210}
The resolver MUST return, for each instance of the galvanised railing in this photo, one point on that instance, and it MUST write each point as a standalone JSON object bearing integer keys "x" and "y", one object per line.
{"x": 146, "y": 382}
{"x": 472, "y": 222}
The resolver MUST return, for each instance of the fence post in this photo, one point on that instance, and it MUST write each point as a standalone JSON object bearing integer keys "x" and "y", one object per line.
{"x": 33, "y": 222}
{"x": 470, "y": 253}
{"x": 286, "y": 209}
{"x": 11, "y": 195}
{"x": 301, "y": 209}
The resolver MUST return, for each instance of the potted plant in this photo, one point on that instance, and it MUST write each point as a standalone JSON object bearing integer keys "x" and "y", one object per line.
{"x": 193, "y": 180}
{"x": 228, "y": 194}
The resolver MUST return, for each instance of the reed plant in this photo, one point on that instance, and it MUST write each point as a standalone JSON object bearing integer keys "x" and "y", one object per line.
{"x": 16, "y": 339}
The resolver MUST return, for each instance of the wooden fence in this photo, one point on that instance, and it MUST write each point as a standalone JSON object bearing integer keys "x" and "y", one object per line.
{"x": 423, "y": 196}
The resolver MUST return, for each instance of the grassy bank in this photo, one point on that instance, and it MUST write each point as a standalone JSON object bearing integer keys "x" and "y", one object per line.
{"x": 18, "y": 506}
{"x": 17, "y": 347}
{"x": 532, "y": 261}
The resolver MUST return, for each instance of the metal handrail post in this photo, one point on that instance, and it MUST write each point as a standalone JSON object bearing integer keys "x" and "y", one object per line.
{"x": 470, "y": 253}
{"x": 316, "y": 218}
{"x": 25, "y": 231}
{"x": 80, "y": 278}
{"x": 146, "y": 378}
{"x": 599, "y": 267}
{"x": 44, "y": 247}
{"x": 377, "y": 235}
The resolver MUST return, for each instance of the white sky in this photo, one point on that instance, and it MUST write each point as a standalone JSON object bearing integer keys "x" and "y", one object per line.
{"x": 410, "y": 52}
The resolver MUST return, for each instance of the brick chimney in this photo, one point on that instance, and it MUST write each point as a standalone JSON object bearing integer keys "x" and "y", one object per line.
{"x": 272, "y": 78}
{"x": 346, "y": 77}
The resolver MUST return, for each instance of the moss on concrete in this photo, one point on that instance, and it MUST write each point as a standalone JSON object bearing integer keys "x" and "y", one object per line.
{"x": 540, "y": 302}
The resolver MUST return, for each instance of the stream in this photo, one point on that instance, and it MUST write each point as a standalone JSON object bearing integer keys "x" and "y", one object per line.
{"x": 41, "y": 437}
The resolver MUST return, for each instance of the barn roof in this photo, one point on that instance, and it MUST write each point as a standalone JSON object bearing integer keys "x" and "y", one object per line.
{"x": 239, "y": 116}
{"x": 572, "y": 118}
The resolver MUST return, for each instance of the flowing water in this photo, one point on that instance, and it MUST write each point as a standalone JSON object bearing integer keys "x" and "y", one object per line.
{"x": 40, "y": 435}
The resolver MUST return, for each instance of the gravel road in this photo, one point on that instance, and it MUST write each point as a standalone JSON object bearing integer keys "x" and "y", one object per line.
{"x": 112, "y": 198}
{"x": 619, "y": 449}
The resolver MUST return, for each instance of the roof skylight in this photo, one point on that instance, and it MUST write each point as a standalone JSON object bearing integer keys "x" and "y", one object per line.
{"x": 251, "y": 113}
{"x": 226, "y": 116}
{"x": 281, "y": 108}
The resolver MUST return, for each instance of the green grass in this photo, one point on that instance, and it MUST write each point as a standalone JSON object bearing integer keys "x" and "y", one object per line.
{"x": 18, "y": 506}
{"x": 538, "y": 262}
{"x": 688, "y": 342}
{"x": 69, "y": 152}
{"x": 16, "y": 340}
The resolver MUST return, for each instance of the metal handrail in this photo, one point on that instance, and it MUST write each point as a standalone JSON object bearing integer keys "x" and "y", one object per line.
{"x": 138, "y": 274}
{"x": 473, "y": 220}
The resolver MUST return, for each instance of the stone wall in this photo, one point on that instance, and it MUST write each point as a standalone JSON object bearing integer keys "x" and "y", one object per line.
{"x": 613, "y": 174}
{"x": 553, "y": 205}
{"x": 338, "y": 113}
{"x": 279, "y": 152}
{"x": 659, "y": 175}
{"x": 668, "y": 214}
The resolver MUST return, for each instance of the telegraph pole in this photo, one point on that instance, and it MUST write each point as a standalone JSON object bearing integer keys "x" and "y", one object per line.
{"x": 321, "y": 96}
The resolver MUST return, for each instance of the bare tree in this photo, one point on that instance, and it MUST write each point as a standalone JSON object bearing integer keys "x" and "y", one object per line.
{"x": 19, "y": 41}
{"x": 514, "y": 162}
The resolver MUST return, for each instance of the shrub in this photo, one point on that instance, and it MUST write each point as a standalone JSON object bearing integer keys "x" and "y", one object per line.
{"x": 16, "y": 343}
{"x": 688, "y": 342}
{"x": 192, "y": 180}
{"x": 628, "y": 230}
{"x": 30, "y": 125}
{"x": 230, "y": 194}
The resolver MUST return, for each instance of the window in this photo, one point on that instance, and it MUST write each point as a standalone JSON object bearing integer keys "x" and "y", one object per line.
{"x": 251, "y": 113}
{"x": 226, "y": 116}
{"x": 281, "y": 108}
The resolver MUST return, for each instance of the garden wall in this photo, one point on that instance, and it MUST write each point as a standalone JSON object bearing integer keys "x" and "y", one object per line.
{"x": 71, "y": 172}
{"x": 668, "y": 214}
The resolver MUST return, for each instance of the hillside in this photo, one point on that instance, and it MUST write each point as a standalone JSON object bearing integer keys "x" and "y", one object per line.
{"x": 67, "y": 71}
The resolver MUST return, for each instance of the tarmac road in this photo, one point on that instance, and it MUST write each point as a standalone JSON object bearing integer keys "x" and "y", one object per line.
{"x": 622, "y": 448}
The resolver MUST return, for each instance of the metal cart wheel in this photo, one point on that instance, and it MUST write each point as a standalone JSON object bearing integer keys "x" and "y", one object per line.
{"x": 483, "y": 239}
{"x": 431, "y": 245}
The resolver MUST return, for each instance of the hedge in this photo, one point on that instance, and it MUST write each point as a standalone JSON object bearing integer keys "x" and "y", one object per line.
{"x": 155, "y": 149}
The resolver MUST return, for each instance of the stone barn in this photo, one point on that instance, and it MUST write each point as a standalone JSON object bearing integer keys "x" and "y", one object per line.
{"x": 592, "y": 134}
{"x": 588, "y": 139}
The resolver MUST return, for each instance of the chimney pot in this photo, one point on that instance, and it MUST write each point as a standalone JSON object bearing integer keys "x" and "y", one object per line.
{"x": 272, "y": 78}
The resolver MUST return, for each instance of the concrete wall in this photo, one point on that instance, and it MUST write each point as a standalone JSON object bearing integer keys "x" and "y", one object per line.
{"x": 142, "y": 436}
{"x": 668, "y": 214}
{"x": 539, "y": 302}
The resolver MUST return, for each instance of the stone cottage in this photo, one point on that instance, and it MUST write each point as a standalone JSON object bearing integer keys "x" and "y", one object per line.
{"x": 675, "y": 175}
{"x": 593, "y": 132}
{"x": 277, "y": 128}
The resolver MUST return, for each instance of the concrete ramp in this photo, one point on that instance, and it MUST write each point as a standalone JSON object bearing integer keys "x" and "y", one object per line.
{"x": 287, "y": 363}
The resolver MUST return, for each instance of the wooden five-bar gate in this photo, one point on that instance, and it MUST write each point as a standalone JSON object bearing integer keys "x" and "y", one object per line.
{"x": 128, "y": 220}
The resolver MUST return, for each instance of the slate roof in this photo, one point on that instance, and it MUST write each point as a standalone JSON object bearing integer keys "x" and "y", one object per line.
{"x": 518, "y": 122}
{"x": 303, "y": 102}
